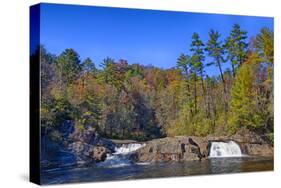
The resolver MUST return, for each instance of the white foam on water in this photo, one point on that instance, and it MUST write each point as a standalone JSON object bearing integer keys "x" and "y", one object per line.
{"x": 225, "y": 149}
{"x": 128, "y": 148}
{"x": 120, "y": 157}
{"x": 144, "y": 163}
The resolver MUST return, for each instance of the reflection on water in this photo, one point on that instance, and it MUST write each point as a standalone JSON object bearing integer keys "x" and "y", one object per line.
{"x": 137, "y": 171}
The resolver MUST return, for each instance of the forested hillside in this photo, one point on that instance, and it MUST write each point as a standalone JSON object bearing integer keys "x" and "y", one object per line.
{"x": 127, "y": 100}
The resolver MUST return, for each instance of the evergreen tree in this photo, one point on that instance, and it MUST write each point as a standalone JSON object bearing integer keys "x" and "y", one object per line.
{"x": 88, "y": 66}
{"x": 236, "y": 47}
{"x": 197, "y": 58}
{"x": 68, "y": 66}
{"x": 264, "y": 45}
{"x": 216, "y": 51}
{"x": 184, "y": 63}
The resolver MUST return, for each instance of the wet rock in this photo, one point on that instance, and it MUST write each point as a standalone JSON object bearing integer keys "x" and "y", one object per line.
{"x": 86, "y": 153}
{"x": 247, "y": 136}
{"x": 252, "y": 143}
{"x": 183, "y": 148}
{"x": 91, "y": 137}
{"x": 99, "y": 154}
{"x": 53, "y": 155}
{"x": 169, "y": 149}
{"x": 257, "y": 149}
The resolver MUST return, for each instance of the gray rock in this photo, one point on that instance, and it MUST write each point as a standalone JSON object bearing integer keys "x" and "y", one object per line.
{"x": 91, "y": 137}
{"x": 169, "y": 149}
{"x": 247, "y": 136}
{"x": 99, "y": 154}
{"x": 257, "y": 149}
{"x": 252, "y": 143}
{"x": 86, "y": 153}
{"x": 183, "y": 148}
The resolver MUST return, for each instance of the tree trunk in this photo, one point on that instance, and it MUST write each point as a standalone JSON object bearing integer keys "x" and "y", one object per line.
{"x": 224, "y": 92}
{"x": 188, "y": 87}
{"x": 195, "y": 94}
{"x": 204, "y": 93}
{"x": 233, "y": 70}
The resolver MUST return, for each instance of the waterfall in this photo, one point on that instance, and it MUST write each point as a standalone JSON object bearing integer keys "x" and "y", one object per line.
{"x": 225, "y": 149}
{"x": 128, "y": 148}
{"x": 121, "y": 156}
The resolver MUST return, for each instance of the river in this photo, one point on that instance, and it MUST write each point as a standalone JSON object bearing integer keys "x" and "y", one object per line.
{"x": 119, "y": 167}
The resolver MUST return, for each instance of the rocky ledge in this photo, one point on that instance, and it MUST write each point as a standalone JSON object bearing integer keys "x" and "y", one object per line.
{"x": 86, "y": 146}
{"x": 192, "y": 148}
{"x": 89, "y": 146}
{"x": 76, "y": 147}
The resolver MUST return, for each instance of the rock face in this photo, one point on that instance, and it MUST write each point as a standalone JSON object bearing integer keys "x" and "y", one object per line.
{"x": 86, "y": 146}
{"x": 86, "y": 153}
{"x": 252, "y": 143}
{"x": 170, "y": 149}
{"x": 91, "y": 137}
{"x": 257, "y": 149}
{"x": 192, "y": 148}
{"x": 53, "y": 155}
{"x": 75, "y": 147}
{"x": 89, "y": 146}
{"x": 99, "y": 153}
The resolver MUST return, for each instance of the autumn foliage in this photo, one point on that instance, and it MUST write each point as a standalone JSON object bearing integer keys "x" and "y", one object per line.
{"x": 124, "y": 100}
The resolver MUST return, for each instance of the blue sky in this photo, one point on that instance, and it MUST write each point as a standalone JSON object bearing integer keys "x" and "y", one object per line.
{"x": 148, "y": 37}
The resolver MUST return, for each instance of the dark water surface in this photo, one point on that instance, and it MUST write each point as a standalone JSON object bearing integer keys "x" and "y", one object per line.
{"x": 138, "y": 171}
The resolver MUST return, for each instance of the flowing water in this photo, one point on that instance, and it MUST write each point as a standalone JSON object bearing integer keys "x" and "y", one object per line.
{"x": 225, "y": 149}
{"x": 224, "y": 158}
{"x": 120, "y": 157}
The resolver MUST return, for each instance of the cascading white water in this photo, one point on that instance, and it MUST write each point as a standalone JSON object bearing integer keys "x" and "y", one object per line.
{"x": 128, "y": 148}
{"x": 120, "y": 157}
{"x": 225, "y": 149}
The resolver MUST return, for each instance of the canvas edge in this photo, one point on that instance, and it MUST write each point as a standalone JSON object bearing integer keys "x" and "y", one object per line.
{"x": 34, "y": 94}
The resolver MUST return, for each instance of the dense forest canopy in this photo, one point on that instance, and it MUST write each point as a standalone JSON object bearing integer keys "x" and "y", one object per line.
{"x": 131, "y": 101}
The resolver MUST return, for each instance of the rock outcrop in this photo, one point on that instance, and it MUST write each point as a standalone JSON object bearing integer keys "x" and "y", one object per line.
{"x": 192, "y": 148}
{"x": 99, "y": 153}
{"x": 91, "y": 137}
{"x": 75, "y": 147}
{"x": 53, "y": 155}
{"x": 86, "y": 146}
{"x": 171, "y": 149}
{"x": 252, "y": 143}
{"x": 89, "y": 146}
{"x": 86, "y": 153}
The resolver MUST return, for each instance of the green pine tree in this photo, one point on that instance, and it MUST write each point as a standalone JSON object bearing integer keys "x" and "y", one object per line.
{"x": 236, "y": 47}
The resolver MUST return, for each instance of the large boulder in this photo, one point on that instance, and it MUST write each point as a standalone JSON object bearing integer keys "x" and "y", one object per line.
{"x": 190, "y": 148}
{"x": 246, "y": 136}
{"x": 86, "y": 153}
{"x": 170, "y": 149}
{"x": 257, "y": 149}
{"x": 70, "y": 145}
{"x": 252, "y": 143}
{"x": 90, "y": 136}
{"x": 202, "y": 143}
{"x": 99, "y": 153}
{"x": 85, "y": 144}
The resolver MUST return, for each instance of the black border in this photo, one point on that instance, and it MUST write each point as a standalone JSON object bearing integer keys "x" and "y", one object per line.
{"x": 34, "y": 95}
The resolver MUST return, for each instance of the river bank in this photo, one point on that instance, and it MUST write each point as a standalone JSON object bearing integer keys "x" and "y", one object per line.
{"x": 88, "y": 148}
{"x": 190, "y": 148}
{"x": 165, "y": 157}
